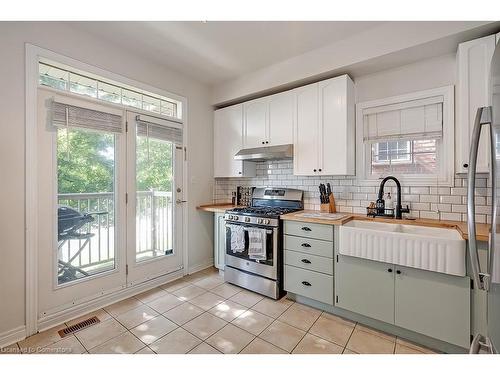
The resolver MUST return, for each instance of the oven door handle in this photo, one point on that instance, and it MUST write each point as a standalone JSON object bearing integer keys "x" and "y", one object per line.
{"x": 268, "y": 231}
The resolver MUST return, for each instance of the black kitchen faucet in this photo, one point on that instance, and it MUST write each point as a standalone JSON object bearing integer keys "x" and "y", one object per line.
{"x": 398, "y": 209}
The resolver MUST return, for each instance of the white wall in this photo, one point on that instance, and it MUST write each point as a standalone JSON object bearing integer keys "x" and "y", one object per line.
{"x": 63, "y": 39}
{"x": 382, "y": 45}
{"x": 422, "y": 75}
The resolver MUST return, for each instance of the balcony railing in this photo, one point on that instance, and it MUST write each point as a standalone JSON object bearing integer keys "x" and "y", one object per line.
{"x": 153, "y": 228}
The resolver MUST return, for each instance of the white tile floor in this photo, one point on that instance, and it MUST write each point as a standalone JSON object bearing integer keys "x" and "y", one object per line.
{"x": 202, "y": 314}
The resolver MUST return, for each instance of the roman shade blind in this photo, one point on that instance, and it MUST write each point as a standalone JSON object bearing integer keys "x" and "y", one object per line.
{"x": 159, "y": 129}
{"x": 66, "y": 115}
{"x": 416, "y": 119}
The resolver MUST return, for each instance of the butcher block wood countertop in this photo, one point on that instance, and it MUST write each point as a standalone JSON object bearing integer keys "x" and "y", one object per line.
{"x": 216, "y": 207}
{"x": 482, "y": 230}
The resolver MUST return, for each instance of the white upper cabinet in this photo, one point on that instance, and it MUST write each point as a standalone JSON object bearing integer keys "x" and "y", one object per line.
{"x": 228, "y": 127}
{"x": 324, "y": 136}
{"x": 281, "y": 119}
{"x": 268, "y": 121}
{"x": 255, "y": 123}
{"x": 473, "y": 59}
{"x": 305, "y": 146}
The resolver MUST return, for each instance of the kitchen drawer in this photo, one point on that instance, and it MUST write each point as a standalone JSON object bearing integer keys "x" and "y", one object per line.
{"x": 309, "y": 262}
{"x": 310, "y": 230}
{"x": 314, "y": 285}
{"x": 309, "y": 246}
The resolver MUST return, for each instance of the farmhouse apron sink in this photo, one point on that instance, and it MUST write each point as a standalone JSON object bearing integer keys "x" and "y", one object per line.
{"x": 432, "y": 249}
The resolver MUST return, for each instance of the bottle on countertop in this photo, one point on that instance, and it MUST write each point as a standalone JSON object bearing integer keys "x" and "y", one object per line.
{"x": 380, "y": 204}
{"x": 389, "y": 203}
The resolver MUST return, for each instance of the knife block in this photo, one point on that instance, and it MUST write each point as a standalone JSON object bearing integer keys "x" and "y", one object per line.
{"x": 328, "y": 207}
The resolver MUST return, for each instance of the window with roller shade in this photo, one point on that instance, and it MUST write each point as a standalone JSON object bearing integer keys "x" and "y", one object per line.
{"x": 404, "y": 139}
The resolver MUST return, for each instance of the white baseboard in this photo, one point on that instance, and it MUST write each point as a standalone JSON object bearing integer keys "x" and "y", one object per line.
{"x": 202, "y": 266}
{"x": 62, "y": 316}
{"x": 12, "y": 336}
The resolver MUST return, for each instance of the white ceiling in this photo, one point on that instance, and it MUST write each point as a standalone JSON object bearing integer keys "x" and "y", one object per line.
{"x": 214, "y": 52}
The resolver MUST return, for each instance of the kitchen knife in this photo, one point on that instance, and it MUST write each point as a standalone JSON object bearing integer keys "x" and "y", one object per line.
{"x": 328, "y": 191}
{"x": 323, "y": 193}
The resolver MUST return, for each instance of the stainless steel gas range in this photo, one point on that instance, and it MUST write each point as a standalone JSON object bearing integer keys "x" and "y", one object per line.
{"x": 254, "y": 245}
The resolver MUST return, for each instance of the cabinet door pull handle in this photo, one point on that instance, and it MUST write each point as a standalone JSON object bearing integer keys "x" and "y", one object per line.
{"x": 307, "y": 261}
{"x": 305, "y": 245}
{"x": 466, "y": 165}
{"x": 314, "y": 170}
{"x": 263, "y": 142}
{"x": 307, "y": 229}
{"x": 306, "y": 283}
{"x": 389, "y": 270}
{"x": 398, "y": 272}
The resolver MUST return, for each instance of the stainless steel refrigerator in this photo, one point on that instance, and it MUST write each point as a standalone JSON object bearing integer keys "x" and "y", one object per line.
{"x": 487, "y": 279}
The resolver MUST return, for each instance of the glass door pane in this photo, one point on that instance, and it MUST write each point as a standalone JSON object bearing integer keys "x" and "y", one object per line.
{"x": 86, "y": 203}
{"x": 154, "y": 206}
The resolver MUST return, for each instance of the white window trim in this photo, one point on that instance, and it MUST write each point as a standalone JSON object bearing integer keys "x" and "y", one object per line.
{"x": 446, "y": 154}
{"x": 118, "y": 84}
{"x": 33, "y": 54}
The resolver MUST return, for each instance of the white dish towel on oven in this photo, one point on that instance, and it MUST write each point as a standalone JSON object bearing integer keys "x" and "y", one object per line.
{"x": 256, "y": 243}
{"x": 237, "y": 238}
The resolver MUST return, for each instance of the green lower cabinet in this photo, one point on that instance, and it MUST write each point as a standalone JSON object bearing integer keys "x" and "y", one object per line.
{"x": 365, "y": 287}
{"x": 219, "y": 240}
{"x": 429, "y": 303}
{"x": 433, "y": 304}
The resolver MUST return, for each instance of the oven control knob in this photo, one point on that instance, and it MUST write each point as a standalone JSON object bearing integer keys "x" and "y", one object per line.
{"x": 235, "y": 217}
{"x": 267, "y": 221}
{"x": 247, "y": 219}
{"x": 259, "y": 221}
{"x": 230, "y": 217}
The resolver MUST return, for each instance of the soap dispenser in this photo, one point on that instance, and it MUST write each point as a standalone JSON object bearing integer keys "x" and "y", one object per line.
{"x": 389, "y": 204}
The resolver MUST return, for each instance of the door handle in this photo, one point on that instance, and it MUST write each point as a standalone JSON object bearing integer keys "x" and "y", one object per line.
{"x": 306, "y": 283}
{"x": 306, "y": 261}
{"x": 179, "y": 201}
{"x": 483, "y": 117}
{"x": 307, "y": 229}
{"x": 305, "y": 245}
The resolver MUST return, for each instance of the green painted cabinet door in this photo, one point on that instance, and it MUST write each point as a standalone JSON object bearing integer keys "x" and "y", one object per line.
{"x": 433, "y": 304}
{"x": 219, "y": 240}
{"x": 365, "y": 287}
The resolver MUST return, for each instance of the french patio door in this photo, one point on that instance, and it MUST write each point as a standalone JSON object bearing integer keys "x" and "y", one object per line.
{"x": 107, "y": 213}
{"x": 155, "y": 197}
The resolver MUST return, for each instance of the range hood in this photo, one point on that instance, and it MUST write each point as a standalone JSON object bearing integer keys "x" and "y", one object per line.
{"x": 265, "y": 153}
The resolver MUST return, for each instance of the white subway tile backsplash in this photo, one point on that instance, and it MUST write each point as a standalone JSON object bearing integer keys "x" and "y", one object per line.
{"x": 459, "y": 208}
{"x": 430, "y": 202}
{"x": 458, "y": 191}
{"x": 419, "y": 190}
{"x": 440, "y": 190}
{"x": 453, "y": 199}
{"x": 420, "y": 206}
{"x": 440, "y": 207}
{"x": 429, "y": 198}
{"x": 429, "y": 215}
{"x": 450, "y": 216}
